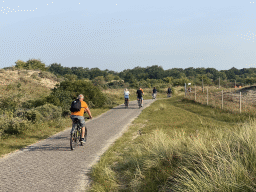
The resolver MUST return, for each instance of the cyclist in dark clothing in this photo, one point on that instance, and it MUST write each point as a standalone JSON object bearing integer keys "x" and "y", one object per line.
{"x": 154, "y": 93}
{"x": 169, "y": 91}
{"x": 139, "y": 95}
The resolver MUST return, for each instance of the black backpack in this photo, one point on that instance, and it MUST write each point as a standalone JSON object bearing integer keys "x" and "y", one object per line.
{"x": 75, "y": 106}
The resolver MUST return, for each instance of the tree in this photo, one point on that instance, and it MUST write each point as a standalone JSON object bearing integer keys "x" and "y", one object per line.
{"x": 70, "y": 77}
{"x": 69, "y": 90}
{"x": 155, "y": 72}
{"x": 20, "y": 64}
{"x": 99, "y": 81}
{"x": 35, "y": 64}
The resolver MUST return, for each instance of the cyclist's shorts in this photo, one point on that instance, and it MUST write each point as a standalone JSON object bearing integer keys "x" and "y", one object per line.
{"x": 140, "y": 98}
{"x": 81, "y": 119}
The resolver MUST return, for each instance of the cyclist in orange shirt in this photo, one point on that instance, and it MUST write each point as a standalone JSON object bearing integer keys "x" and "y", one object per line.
{"x": 80, "y": 115}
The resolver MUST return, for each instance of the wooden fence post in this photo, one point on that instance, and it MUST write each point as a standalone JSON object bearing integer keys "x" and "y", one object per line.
{"x": 207, "y": 96}
{"x": 195, "y": 92}
{"x": 240, "y": 103}
{"x": 222, "y": 99}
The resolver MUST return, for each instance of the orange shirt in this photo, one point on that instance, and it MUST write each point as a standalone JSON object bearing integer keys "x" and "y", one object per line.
{"x": 81, "y": 112}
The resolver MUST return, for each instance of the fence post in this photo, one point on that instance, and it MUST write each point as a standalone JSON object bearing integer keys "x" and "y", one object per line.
{"x": 207, "y": 96}
{"x": 195, "y": 92}
{"x": 185, "y": 89}
{"x": 222, "y": 100}
{"x": 240, "y": 102}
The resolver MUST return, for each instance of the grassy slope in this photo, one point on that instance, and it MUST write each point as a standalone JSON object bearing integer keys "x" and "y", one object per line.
{"x": 172, "y": 144}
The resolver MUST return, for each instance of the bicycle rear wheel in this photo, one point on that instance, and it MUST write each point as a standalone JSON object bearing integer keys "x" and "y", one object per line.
{"x": 126, "y": 103}
{"x": 73, "y": 139}
{"x": 79, "y": 135}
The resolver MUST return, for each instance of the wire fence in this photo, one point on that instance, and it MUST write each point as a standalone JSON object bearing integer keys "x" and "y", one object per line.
{"x": 238, "y": 101}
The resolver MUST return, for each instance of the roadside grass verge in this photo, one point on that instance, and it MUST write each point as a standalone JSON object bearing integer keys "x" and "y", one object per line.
{"x": 179, "y": 145}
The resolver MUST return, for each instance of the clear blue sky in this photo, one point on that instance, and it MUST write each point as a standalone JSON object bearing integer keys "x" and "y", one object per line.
{"x": 122, "y": 34}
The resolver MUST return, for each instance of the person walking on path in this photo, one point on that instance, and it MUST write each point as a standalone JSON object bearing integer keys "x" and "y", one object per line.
{"x": 154, "y": 93}
{"x": 169, "y": 92}
{"x": 80, "y": 115}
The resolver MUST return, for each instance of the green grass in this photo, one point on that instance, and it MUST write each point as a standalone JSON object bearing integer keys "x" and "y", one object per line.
{"x": 179, "y": 145}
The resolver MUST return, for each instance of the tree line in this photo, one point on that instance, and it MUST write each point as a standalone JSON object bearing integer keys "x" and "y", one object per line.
{"x": 146, "y": 76}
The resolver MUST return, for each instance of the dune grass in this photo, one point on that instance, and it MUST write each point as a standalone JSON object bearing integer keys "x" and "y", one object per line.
{"x": 180, "y": 145}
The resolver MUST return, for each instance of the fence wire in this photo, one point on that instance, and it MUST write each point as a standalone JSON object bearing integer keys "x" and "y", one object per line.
{"x": 228, "y": 100}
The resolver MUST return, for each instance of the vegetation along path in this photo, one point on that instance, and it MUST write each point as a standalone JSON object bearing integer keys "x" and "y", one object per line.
{"x": 50, "y": 165}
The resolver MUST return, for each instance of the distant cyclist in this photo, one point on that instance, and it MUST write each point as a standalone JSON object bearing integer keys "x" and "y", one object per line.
{"x": 139, "y": 95}
{"x": 154, "y": 93}
{"x": 80, "y": 115}
{"x": 126, "y": 95}
{"x": 169, "y": 92}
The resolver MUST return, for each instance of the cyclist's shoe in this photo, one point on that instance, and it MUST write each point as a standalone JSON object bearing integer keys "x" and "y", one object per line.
{"x": 83, "y": 140}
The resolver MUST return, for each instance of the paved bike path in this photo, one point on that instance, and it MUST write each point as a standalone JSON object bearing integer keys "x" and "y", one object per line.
{"x": 50, "y": 165}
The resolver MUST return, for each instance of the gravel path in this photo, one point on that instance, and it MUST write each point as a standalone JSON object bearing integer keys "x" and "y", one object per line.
{"x": 50, "y": 165}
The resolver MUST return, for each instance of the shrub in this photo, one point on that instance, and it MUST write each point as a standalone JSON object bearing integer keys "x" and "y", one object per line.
{"x": 25, "y": 80}
{"x": 34, "y": 103}
{"x": 34, "y": 115}
{"x": 23, "y": 72}
{"x": 60, "y": 98}
{"x": 10, "y": 103}
{"x": 18, "y": 85}
{"x": 49, "y": 111}
{"x": 48, "y": 75}
{"x": 67, "y": 91}
{"x": 2, "y": 71}
{"x": 20, "y": 113}
{"x": 30, "y": 64}
{"x": 35, "y": 75}
{"x": 11, "y": 86}
{"x": 15, "y": 126}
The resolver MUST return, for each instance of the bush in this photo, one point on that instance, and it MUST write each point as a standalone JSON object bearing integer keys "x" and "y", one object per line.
{"x": 34, "y": 115}
{"x": 20, "y": 113}
{"x": 10, "y": 103}
{"x": 34, "y": 103}
{"x": 15, "y": 126}
{"x": 67, "y": 91}
{"x": 30, "y": 64}
{"x": 49, "y": 111}
{"x": 25, "y": 80}
{"x": 35, "y": 75}
{"x": 2, "y": 71}
{"x": 23, "y": 72}
{"x": 48, "y": 75}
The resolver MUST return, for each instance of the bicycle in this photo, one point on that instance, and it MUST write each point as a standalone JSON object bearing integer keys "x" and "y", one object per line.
{"x": 139, "y": 102}
{"x": 126, "y": 102}
{"x": 153, "y": 95}
{"x": 76, "y": 133}
{"x": 169, "y": 94}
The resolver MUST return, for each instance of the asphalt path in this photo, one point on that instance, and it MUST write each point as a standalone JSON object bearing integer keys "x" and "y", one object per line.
{"x": 50, "y": 165}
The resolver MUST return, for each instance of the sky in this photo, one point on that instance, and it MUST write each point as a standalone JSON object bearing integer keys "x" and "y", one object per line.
{"x": 121, "y": 34}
